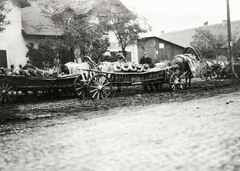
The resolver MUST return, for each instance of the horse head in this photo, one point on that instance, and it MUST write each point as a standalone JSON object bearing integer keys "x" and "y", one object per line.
{"x": 64, "y": 69}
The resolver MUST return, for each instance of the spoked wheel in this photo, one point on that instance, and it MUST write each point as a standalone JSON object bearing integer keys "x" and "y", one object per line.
{"x": 214, "y": 73}
{"x": 8, "y": 91}
{"x": 204, "y": 74}
{"x": 222, "y": 74}
{"x": 79, "y": 88}
{"x": 99, "y": 87}
{"x": 175, "y": 83}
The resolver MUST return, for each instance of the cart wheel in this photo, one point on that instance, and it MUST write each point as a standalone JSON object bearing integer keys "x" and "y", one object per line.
{"x": 175, "y": 83}
{"x": 204, "y": 74}
{"x": 99, "y": 87}
{"x": 8, "y": 91}
{"x": 214, "y": 73}
{"x": 79, "y": 88}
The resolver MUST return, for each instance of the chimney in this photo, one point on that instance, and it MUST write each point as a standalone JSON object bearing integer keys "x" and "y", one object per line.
{"x": 206, "y": 23}
{"x": 224, "y": 22}
{"x": 162, "y": 32}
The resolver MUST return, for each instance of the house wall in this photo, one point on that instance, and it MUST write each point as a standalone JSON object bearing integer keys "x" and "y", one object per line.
{"x": 158, "y": 49}
{"x": 12, "y": 41}
{"x": 115, "y": 48}
{"x": 147, "y": 46}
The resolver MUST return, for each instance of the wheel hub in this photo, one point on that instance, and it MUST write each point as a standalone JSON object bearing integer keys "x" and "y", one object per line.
{"x": 99, "y": 87}
{"x": 4, "y": 92}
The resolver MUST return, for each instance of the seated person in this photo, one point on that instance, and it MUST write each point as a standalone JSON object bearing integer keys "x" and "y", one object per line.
{"x": 146, "y": 60}
{"x": 29, "y": 65}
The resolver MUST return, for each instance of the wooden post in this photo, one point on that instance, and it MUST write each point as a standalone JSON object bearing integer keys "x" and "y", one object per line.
{"x": 230, "y": 43}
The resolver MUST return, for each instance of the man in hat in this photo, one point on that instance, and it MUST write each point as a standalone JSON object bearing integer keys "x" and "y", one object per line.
{"x": 146, "y": 60}
{"x": 106, "y": 56}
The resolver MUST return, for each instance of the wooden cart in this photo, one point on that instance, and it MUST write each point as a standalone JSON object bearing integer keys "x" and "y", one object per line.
{"x": 10, "y": 86}
{"x": 98, "y": 85}
{"x": 91, "y": 82}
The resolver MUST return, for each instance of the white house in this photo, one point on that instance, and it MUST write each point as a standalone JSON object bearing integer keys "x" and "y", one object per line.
{"x": 12, "y": 46}
{"x": 29, "y": 25}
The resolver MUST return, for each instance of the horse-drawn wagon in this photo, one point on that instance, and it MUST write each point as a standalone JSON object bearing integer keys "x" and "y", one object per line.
{"x": 98, "y": 84}
{"x": 93, "y": 82}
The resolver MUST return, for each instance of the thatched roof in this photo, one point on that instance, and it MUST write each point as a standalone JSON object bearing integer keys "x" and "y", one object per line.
{"x": 23, "y": 3}
{"x": 184, "y": 37}
{"x": 35, "y": 23}
{"x": 19, "y": 3}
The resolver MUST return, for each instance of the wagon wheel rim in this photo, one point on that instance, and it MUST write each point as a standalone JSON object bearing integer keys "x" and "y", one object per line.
{"x": 79, "y": 88}
{"x": 214, "y": 73}
{"x": 8, "y": 91}
{"x": 224, "y": 74}
{"x": 174, "y": 83}
{"x": 204, "y": 74}
{"x": 99, "y": 87}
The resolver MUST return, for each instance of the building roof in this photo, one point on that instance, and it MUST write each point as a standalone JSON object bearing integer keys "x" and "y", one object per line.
{"x": 35, "y": 23}
{"x": 184, "y": 37}
{"x": 155, "y": 37}
{"x": 19, "y": 3}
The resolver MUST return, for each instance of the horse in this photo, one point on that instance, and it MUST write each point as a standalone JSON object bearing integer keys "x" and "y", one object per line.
{"x": 186, "y": 64}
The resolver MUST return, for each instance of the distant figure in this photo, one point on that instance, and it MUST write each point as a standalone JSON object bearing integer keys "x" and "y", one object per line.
{"x": 146, "y": 60}
{"x": 106, "y": 56}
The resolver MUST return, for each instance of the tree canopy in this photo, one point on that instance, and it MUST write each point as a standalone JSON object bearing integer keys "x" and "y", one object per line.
{"x": 110, "y": 15}
{"x": 207, "y": 44}
{"x": 125, "y": 25}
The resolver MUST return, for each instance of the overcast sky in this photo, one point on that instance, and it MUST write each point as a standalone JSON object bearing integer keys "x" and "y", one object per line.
{"x": 174, "y": 15}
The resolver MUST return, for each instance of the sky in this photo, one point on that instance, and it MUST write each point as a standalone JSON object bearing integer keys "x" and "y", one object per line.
{"x": 175, "y": 15}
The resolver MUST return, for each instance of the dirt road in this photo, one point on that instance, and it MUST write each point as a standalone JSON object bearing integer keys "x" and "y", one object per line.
{"x": 196, "y": 135}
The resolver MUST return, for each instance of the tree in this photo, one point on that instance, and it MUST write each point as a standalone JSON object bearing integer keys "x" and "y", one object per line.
{"x": 79, "y": 34}
{"x": 206, "y": 44}
{"x": 125, "y": 25}
{"x": 5, "y": 9}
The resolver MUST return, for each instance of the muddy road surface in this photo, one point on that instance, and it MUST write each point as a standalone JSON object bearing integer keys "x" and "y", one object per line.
{"x": 194, "y": 129}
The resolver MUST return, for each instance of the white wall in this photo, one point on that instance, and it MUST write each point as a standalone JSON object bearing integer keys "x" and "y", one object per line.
{"x": 12, "y": 41}
{"x": 114, "y": 46}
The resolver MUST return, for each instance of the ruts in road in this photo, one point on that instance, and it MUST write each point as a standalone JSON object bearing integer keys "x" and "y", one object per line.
{"x": 196, "y": 135}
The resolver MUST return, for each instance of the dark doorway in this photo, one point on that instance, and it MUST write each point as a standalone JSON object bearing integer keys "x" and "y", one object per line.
{"x": 3, "y": 58}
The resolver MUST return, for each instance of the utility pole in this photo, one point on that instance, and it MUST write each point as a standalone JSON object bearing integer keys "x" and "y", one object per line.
{"x": 230, "y": 43}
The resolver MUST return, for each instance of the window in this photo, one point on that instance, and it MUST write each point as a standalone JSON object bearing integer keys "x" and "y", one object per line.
{"x": 161, "y": 45}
